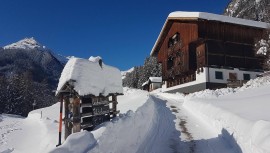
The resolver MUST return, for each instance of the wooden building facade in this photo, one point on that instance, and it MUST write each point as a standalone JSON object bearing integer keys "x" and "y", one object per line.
{"x": 85, "y": 112}
{"x": 193, "y": 43}
{"x": 152, "y": 83}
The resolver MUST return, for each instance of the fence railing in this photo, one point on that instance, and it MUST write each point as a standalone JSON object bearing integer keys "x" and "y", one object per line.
{"x": 236, "y": 83}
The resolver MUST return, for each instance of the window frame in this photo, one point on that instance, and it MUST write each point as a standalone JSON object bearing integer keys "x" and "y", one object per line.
{"x": 246, "y": 74}
{"x": 217, "y": 74}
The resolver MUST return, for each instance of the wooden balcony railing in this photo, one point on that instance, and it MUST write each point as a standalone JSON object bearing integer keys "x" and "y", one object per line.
{"x": 236, "y": 83}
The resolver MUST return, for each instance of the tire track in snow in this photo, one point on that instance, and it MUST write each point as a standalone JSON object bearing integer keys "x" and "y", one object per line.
{"x": 196, "y": 135}
{"x": 183, "y": 128}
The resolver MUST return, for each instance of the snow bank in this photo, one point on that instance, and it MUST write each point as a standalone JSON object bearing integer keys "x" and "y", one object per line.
{"x": 131, "y": 100}
{"x": 243, "y": 113}
{"x": 209, "y": 94}
{"x": 147, "y": 129}
{"x": 126, "y": 133}
{"x": 90, "y": 77}
{"x": 77, "y": 142}
{"x": 39, "y": 131}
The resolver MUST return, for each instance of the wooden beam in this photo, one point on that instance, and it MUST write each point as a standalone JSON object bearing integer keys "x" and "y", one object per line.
{"x": 114, "y": 105}
{"x": 68, "y": 125}
{"x": 76, "y": 115}
{"x": 86, "y": 125}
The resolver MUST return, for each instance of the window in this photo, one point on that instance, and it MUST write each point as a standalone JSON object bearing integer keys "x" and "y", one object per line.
{"x": 246, "y": 76}
{"x": 170, "y": 43}
{"x": 219, "y": 75}
{"x": 174, "y": 39}
{"x": 170, "y": 63}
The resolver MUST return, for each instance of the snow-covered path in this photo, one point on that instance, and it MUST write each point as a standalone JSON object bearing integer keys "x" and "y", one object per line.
{"x": 158, "y": 124}
{"x": 196, "y": 136}
{"x": 150, "y": 129}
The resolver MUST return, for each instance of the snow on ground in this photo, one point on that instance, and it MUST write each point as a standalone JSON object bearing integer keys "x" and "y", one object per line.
{"x": 220, "y": 121}
{"x": 196, "y": 136}
{"x": 132, "y": 99}
{"x": 243, "y": 113}
{"x": 150, "y": 128}
{"x": 33, "y": 134}
{"x": 38, "y": 133}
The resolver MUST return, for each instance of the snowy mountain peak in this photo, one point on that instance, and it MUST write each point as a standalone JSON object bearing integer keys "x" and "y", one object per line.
{"x": 26, "y": 43}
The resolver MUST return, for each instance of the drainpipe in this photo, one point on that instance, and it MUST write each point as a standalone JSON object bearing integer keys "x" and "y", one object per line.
{"x": 208, "y": 72}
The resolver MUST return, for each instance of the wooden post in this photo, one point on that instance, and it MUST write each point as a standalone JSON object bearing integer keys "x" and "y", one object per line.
{"x": 76, "y": 115}
{"x": 68, "y": 124}
{"x": 60, "y": 120}
{"x": 114, "y": 104}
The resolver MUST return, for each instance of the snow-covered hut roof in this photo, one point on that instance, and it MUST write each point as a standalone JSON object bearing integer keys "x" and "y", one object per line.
{"x": 90, "y": 78}
{"x": 155, "y": 79}
{"x": 181, "y": 15}
{"x": 145, "y": 83}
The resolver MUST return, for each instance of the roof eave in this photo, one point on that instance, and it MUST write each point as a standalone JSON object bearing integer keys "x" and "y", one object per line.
{"x": 155, "y": 49}
{"x": 155, "y": 45}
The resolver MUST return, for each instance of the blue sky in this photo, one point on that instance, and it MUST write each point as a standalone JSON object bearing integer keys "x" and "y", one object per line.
{"x": 123, "y": 32}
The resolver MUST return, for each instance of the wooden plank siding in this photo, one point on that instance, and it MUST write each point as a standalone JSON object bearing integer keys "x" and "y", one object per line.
{"x": 228, "y": 32}
{"x": 188, "y": 33}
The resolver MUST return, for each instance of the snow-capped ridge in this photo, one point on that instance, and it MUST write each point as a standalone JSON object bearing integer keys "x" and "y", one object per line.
{"x": 26, "y": 43}
{"x": 33, "y": 44}
{"x": 124, "y": 73}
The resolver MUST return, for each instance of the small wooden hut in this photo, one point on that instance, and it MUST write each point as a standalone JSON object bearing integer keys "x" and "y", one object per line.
{"x": 152, "y": 83}
{"x": 89, "y": 89}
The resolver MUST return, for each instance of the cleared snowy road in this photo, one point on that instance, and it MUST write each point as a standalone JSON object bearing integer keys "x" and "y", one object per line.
{"x": 196, "y": 136}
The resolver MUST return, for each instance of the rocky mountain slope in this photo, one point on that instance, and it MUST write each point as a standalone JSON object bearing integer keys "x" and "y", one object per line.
{"x": 249, "y": 9}
{"x": 29, "y": 72}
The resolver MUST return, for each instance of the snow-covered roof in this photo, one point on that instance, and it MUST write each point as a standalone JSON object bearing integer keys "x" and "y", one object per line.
{"x": 155, "y": 79}
{"x": 91, "y": 78}
{"x": 145, "y": 83}
{"x": 208, "y": 16}
{"x": 216, "y": 17}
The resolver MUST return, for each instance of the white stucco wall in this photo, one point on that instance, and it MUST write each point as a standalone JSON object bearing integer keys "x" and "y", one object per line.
{"x": 240, "y": 74}
{"x": 202, "y": 77}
